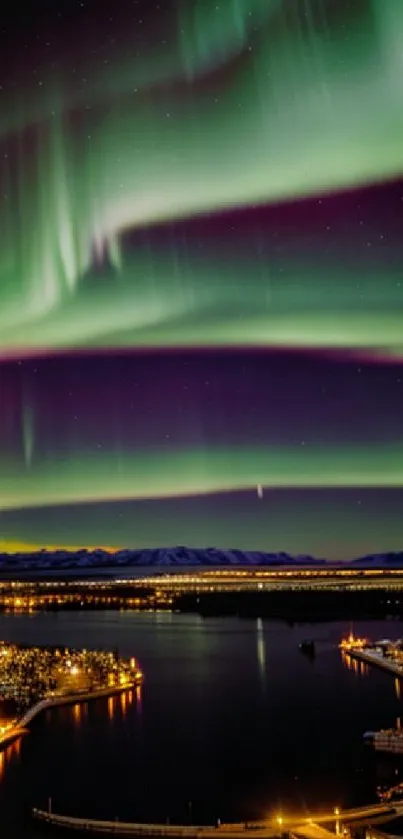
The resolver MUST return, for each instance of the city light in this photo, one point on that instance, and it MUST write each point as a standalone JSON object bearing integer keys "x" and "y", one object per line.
{"x": 30, "y": 676}
{"x": 160, "y": 591}
{"x": 353, "y": 643}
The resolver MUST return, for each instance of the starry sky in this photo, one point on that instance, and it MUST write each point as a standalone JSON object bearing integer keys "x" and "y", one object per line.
{"x": 201, "y": 274}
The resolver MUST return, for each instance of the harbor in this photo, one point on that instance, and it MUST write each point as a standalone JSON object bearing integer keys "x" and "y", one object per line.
{"x": 140, "y": 760}
{"x": 386, "y": 654}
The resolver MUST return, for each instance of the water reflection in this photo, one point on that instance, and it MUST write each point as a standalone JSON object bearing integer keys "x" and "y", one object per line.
{"x": 261, "y": 649}
{"x": 397, "y": 688}
{"x": 361, "y": 668}
{"x": 123, "y": 703}
{"x": 116, "y": 702}
{"x": 346, "y": 660}
{"x": 77, "y": 713}
{"x": 111, "y": 707}
{"x": 139, "y": 699}
{"x": 202, "y": 737}
{"x": 12, "y": 751}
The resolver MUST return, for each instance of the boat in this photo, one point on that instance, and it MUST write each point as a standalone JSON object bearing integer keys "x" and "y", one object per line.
{"x": 307, "y": 646}
{"x": 388, "y": 740}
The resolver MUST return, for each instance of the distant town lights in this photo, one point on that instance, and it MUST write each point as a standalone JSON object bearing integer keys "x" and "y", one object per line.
{"x": 353, "y": 643}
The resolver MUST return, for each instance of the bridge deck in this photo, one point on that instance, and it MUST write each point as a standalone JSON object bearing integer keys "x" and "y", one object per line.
{"x": 300, "y": 828}
{"x": 150, "y": 830}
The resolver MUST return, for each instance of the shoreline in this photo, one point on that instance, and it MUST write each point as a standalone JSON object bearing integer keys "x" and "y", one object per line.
{"x": 20, "y": 726}
{"x": 378, "y": 660}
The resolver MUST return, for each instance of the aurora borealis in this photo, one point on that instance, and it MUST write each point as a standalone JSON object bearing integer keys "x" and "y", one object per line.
{"x": 201, "y": 284}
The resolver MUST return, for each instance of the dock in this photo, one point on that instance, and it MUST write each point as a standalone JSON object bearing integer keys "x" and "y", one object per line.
{"x": 377, "y": 659}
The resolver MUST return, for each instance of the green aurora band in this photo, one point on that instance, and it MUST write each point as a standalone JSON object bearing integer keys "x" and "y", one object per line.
{"x": 113, "y": 476}
{"x": 181, "y": 299}
{"x": 79, "y": 169}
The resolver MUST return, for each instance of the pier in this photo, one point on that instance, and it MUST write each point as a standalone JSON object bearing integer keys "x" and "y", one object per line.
{"x": 296, "y": 827}
{"x": 374, "y": 654}
{"x": 377, "y": 659}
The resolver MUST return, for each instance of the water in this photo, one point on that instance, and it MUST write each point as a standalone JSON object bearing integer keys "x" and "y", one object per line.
{"x": 232, "y": 722}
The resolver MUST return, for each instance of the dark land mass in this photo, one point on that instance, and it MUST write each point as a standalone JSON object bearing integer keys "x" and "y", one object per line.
{"x": 296, "y": 606}
{"x": 292, "y": 605}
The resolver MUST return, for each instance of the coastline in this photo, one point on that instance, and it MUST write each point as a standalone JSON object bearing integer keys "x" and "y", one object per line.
{"x": 378, "y": 660}
{"x": 20, "y": 726}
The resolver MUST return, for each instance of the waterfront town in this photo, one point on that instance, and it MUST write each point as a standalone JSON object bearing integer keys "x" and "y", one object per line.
{"x": 163, "y": 590}
{"x": 30, "y": 676}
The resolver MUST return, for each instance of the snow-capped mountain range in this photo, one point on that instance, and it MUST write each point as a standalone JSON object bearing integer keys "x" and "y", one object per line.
{"x": 175, "y": 557}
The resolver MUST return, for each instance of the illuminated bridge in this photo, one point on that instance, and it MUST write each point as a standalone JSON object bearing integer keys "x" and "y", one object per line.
{"x": 296, "y": 827}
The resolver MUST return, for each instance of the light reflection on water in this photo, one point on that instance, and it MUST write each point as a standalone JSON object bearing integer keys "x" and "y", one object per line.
{"x": 123, "y": 703}
{"x": 261, "y": 648}
{"x": 77, "y": 713}
{"x": 211, "y": 730}
{"x": 8, "y": 755}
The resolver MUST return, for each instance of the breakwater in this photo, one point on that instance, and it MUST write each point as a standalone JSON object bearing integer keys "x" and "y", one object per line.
{"x": 20, "y": 726}
{"x": 142, "y": 831}
{"x": 307, "y": 828}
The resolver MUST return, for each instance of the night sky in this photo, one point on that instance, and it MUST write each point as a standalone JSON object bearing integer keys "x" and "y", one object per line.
{"x": 201, "y": 274}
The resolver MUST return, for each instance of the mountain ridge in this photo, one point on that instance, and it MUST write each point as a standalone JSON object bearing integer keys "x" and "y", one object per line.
{"x": 179, "y": 556}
